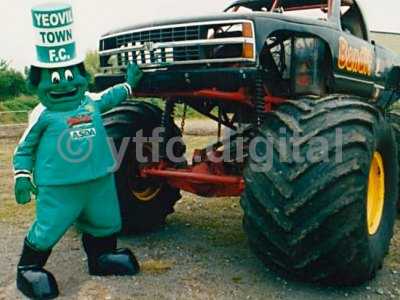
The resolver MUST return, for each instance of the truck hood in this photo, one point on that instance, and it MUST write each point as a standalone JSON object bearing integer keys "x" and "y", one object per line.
{"x": 177, "y": 21}
{"x": 219, "y": 17}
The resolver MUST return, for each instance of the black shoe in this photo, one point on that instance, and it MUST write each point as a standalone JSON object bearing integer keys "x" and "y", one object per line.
{"x": 32, "y": 280}
{"x": 105, "y": 260}
{"x": 36, "y": 283}
{"x": 120, "y": 262}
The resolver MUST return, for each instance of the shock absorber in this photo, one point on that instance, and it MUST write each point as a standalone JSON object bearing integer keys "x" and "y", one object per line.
{"x": 259, "y": 99}
{"x": 167, "y": 123}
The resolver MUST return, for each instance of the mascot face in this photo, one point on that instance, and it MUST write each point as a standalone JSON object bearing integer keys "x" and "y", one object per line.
{"x": 62, "y": 89}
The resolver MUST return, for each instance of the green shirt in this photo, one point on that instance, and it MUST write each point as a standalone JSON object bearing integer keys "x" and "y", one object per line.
{"x": 62, "y": 148}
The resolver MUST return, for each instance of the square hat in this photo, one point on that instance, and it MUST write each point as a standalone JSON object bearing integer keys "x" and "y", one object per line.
{"x": 55, "y": 42}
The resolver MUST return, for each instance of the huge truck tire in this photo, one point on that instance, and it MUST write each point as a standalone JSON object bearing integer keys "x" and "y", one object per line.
{"x": 330, "y": 220}
{"x": 394, "y": 117}
{"x": 144, "y": 203}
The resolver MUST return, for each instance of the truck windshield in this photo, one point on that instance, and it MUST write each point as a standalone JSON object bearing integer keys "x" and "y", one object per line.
{"x": 314, "y": 11}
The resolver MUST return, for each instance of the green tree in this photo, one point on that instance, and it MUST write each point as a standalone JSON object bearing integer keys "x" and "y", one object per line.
{"x": 92, "y": 62}
{"x": 92, "y": 65}
{"x": 12, "y": 82}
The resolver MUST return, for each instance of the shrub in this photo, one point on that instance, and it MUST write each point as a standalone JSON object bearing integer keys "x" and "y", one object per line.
{"x": 16, "y": 110}
{"x": 12, "y": 82}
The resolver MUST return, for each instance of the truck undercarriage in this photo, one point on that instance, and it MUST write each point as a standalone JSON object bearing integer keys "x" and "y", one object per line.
{"x": 226, "y": 78}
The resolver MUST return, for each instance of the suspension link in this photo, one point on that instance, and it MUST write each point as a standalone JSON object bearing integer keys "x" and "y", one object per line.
{"x": 183, "y": 122}
{"x": 167, "y": 123}
{"x": 259, "y": 99}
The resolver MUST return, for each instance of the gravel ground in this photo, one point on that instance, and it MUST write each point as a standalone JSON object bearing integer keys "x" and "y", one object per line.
{"x": 200, "y": 254}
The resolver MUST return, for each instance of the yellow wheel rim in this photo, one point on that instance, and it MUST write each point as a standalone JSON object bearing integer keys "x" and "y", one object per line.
{"x": 376, "y": 193}
{"x": 147, "y": 195}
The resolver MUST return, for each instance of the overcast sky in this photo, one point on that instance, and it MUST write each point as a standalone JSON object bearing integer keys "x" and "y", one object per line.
{"x": 94, "y": 17}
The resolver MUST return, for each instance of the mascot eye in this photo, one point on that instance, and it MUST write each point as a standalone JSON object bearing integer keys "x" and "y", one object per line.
{"x": 68, "y": 75}
{"x": 55, "y": 78}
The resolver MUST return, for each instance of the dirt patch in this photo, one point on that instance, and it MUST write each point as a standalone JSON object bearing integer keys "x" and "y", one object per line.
{"x": 11, "y": 131}
{"x": 201, "y": 127}
{"x": 153, "y": 266}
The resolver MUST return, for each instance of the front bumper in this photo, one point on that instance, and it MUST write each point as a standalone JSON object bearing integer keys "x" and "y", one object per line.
{"x": 224, "y": 79}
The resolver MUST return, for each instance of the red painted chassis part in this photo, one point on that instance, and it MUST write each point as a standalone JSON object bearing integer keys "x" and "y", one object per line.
{"x": 206, "y": 178}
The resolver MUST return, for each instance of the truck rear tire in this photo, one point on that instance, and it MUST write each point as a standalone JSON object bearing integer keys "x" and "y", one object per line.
{"x": 328, "y": 218}
{"x": 144, "y": 204}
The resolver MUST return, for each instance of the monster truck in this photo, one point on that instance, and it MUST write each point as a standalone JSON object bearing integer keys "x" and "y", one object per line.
{"x": 312, "y": 152}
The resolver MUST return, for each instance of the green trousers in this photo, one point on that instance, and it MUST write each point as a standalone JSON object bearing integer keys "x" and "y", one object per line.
{"x": 92, "y": 206}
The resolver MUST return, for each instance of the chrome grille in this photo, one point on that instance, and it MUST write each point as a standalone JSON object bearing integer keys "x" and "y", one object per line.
{"x": 173, "y": 45}
{"x": 161, "y": 35}
{"x": 159, "y": 55}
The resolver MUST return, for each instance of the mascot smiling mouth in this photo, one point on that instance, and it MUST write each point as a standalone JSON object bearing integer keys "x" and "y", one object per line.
{"x": 64, "y": 94}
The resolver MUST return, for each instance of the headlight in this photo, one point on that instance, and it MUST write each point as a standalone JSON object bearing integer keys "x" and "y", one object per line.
{"x": 248, "y": 50}
{"x": 247, "y": 30}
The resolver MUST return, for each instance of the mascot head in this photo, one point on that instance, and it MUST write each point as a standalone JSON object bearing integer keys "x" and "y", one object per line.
{"x": 58, "y": 75}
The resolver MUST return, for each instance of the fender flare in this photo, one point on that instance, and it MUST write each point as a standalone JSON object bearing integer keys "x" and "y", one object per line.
{"x": 393, "y": 79}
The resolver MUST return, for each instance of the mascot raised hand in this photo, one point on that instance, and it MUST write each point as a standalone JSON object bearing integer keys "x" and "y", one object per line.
{"x": 65, "y": 160}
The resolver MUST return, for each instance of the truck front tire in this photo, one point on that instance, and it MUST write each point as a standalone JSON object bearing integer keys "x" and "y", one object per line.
{"x": 328, "y": 220}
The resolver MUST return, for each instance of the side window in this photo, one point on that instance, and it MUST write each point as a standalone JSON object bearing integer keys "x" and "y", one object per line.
{"x": 353, "y": 22}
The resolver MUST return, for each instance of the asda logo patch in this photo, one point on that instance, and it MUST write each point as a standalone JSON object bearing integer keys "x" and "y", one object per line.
{"x": 83, "y": 133}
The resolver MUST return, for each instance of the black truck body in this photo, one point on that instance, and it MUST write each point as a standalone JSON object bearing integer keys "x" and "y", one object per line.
{"x": 181, "y": 55}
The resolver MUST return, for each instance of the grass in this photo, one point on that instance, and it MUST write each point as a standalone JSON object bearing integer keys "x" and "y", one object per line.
{"x": 25, "y": 103}
{"x": 22, "y": 103}
{"x": 10, "y": 211}
{"x": 179, "y": 109}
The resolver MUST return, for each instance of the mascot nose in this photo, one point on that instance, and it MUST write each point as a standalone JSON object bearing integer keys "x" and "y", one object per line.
{"x": 64, "y": 84}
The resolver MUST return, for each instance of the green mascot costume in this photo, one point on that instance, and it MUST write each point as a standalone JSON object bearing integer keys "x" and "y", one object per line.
{"x": 65, "y": 160}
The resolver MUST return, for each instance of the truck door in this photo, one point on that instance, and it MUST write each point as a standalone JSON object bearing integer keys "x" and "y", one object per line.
{"x": 356, "y": 56}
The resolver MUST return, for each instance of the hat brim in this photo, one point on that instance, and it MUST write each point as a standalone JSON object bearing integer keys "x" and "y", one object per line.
{"x": 66, "y": 64}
